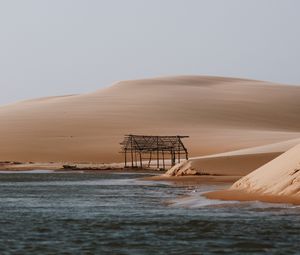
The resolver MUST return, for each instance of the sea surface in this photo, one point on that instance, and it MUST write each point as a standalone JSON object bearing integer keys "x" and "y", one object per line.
{"x": 42, "y": 212}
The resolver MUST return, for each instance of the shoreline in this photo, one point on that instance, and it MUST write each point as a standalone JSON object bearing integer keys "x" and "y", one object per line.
{"x": 72, "y": 167}
{"x": 225, "y": 195}
{"x": 117, "y": 167}
{"x": 57, "y": 166}
{"x": 196, "y": 179}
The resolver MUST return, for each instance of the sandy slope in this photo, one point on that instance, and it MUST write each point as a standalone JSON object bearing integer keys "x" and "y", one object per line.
{"x": 280, "y": 176}
{"x": 219, "y": 114}
{"x": 276, "y": 181}
{"x": 233, "y": 163}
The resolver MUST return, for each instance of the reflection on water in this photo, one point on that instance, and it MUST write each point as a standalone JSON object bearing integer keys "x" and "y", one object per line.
{"x": 115, "y": 213}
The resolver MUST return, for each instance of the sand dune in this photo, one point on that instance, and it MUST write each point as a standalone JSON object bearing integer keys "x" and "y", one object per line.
{"x": 219, "y": 114}
{"x": 233, "y": 163}
{"x": 276, "y": 181}
{"x": 280, "y": 176}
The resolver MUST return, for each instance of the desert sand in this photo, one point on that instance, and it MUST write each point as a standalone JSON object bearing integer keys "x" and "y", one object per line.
{"x": 219, "y": 114}
{"x": 280, "y": 176}
{"x": 232, "y": 163}
{"x": 235, "y": 126}
{"x": 277, "y": 180}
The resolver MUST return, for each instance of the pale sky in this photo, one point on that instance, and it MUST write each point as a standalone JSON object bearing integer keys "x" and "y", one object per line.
{"x": 55, "y": 47}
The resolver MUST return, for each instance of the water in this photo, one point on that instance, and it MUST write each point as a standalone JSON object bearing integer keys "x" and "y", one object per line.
{"x": 114, "y": 213}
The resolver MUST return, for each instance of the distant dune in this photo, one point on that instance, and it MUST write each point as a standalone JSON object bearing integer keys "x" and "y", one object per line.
{"x": 219, "y": 114}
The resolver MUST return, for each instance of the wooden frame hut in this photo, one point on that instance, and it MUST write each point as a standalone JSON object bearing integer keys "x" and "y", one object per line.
{"x": 139, "y": 149}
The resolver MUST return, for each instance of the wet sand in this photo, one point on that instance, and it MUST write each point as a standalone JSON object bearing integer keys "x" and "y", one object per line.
{"x": 194, "y": 180}
{"x": 58, "y": 166}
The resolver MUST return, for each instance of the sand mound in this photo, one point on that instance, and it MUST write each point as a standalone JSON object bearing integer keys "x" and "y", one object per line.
{"x": 280, "y": 176}
{"x": 233, "y": 163}
{"x": 277, "y": 181}
{"x": 219, "y": 115}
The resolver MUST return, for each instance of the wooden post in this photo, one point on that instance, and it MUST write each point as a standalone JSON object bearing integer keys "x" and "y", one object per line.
{"x": 172, "y": 157}
{"x": 131, "y": 145}
{"x": 150, "y": 158}
{"x": 163, "y": 156}
{"x": 141, "y": 162}
{"x": 174, "y": 153}
{"x": 157, "y": 153}
{"x": 125, "y": 158}
{"x": 178, "y": 149}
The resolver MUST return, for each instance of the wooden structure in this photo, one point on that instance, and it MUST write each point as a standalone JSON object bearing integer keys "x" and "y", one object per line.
{"x": 141, "y": 150}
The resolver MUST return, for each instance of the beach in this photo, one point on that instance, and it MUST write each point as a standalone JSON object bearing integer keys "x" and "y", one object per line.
{"x": 235, "y": 126}
{"x": 149, "y": 127}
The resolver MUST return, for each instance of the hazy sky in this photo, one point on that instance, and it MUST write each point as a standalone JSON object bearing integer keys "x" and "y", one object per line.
{"x": 53, "y": 47}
